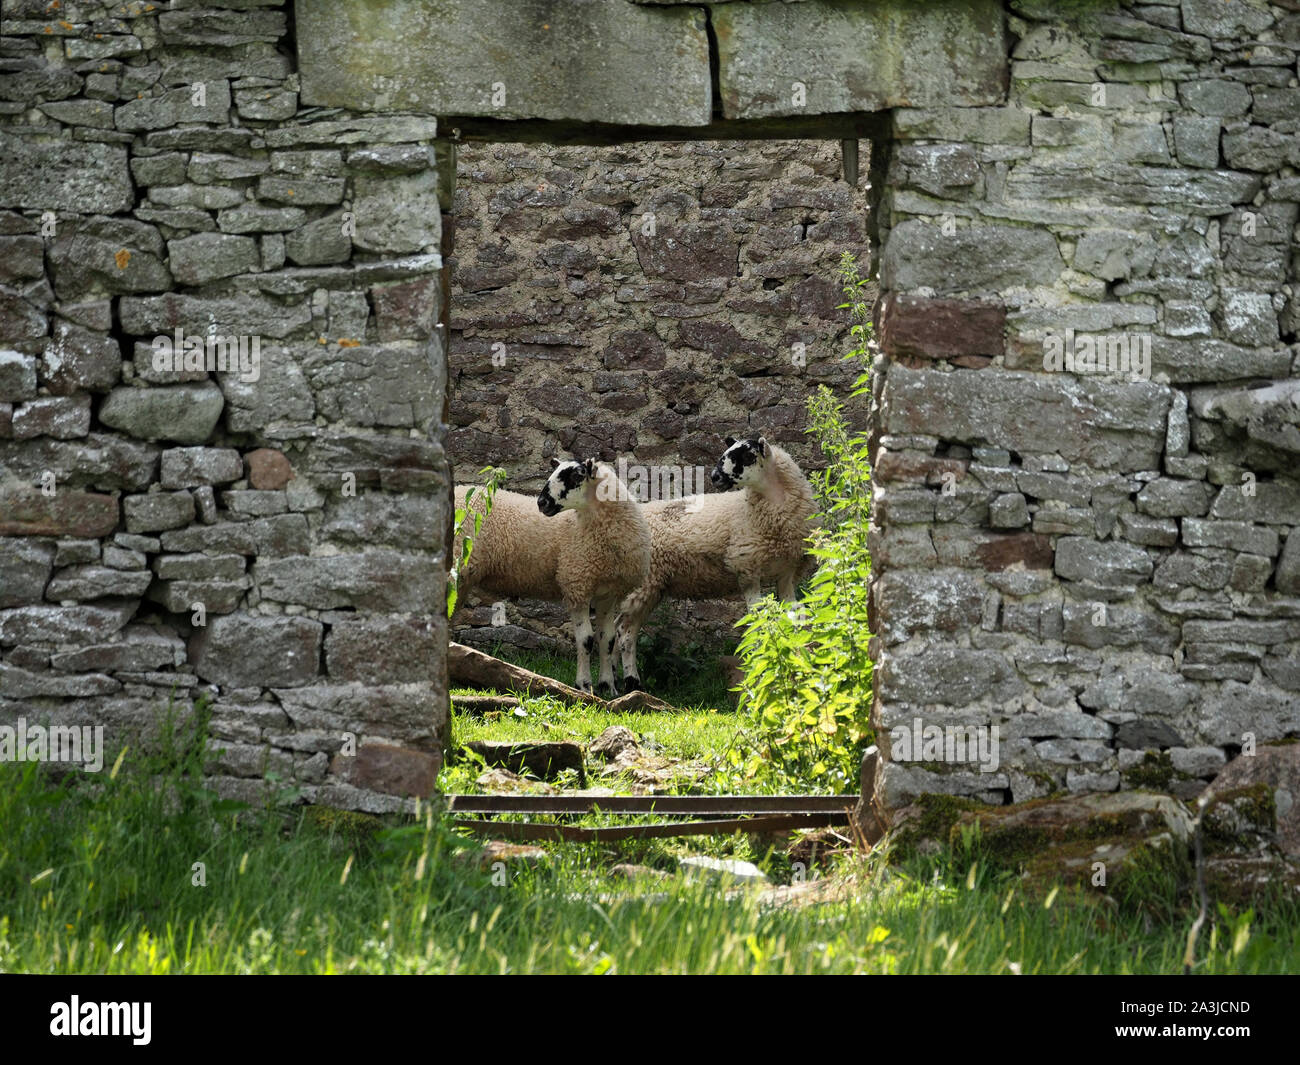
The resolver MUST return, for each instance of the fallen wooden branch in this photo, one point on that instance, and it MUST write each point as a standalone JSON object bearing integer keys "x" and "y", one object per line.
{"x": 471, "y": 667}
{"x": 476, "y": 669}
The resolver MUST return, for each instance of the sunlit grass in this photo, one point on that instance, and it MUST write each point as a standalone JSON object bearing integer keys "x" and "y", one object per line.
{"x": 100, "y": 875}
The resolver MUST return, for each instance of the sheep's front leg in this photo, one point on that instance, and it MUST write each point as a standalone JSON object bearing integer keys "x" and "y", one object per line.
{"x": 785, "y": 587}
{"x": 584, "y": 638}
{"x": 753, "y": 592}
{"x": 606, "y": 626}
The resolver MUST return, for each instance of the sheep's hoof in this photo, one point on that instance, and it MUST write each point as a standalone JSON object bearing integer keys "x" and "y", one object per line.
{"x": 632, "y": 684}
{"x": 584, "y": 686}
{"x": 605, "y": 690}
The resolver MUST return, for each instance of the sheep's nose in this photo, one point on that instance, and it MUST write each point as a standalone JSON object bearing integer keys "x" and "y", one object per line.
{"x": 716, "y": 478}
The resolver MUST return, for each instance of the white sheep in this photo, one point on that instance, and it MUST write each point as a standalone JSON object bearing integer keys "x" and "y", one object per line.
{"x": 713, "y": 546}
{"x": 582, "y": 540}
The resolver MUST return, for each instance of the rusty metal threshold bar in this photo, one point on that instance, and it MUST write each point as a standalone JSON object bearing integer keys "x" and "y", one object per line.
{"x": 670, "y": 805}
{"x": 731, "y": 813}
{"x": 574, "y": 833}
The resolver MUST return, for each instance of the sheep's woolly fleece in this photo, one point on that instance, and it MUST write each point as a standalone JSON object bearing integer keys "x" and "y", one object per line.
{"x": 715, "y": 546}
{"x": 578, "y": 556}
{"x": 591, "y": 553}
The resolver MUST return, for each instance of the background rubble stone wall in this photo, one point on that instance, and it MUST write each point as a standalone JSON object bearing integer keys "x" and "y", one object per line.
{"x": 643, "y": 301}
{"x": 157, "y": 171}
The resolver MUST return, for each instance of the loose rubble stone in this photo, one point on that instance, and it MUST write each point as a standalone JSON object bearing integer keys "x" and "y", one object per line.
{"x": 723, "y": 869}
{"x": 612, "y": 742}
{"x": 545, "y": 759}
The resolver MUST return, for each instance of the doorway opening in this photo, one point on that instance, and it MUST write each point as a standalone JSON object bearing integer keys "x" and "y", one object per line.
{"x": 637, "y": 303}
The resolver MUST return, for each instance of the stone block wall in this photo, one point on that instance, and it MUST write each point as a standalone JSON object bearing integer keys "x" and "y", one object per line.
{"x": 1105, "y": 565}
{"x": 643, "y": 301}
{"x": 265, "y": 532}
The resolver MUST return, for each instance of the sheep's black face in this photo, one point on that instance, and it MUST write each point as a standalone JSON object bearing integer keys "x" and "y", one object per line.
{"x": 563, "y": 488}
{"x": 739, "y": 463}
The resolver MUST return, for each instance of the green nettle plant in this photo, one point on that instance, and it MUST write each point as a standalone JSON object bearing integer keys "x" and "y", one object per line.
{"x": 806, "y": 694}
{"x": 492, "y": 477}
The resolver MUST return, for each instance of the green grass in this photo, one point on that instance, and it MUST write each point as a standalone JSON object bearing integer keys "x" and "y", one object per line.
{"x": 97, "y": 875}
{"x": 698, "y": 734}
{"x": 99, "y": 880}
{"x": 703, "y": 726}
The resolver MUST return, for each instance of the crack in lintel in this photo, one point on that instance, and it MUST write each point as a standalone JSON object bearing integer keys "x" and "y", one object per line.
{"x": 717, "y": 111}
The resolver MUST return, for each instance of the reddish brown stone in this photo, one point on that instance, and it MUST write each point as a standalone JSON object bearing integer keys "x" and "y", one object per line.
{"x": 1002, "y": 552}
{"x": 635, "y": 350}
{"x": 942, "y": 328}
{"x": 406, "y": 311}
{"x": 28, "y": 512}
{"x": 392, "y": 770}
{"x": 688, "y": 252}
{"x": 268, "y": 469}
{"x": 719, "y": 339}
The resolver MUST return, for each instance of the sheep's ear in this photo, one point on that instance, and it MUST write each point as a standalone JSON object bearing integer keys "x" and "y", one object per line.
{"x": 554, "y": 463}
{"x": 760, "y": 445}
{"x": 590, "y": 467}
{"x": 730, "y": 440}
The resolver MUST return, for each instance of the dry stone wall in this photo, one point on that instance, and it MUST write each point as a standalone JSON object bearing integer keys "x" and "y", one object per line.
{"x": 1099, "y": 557}
{"x": 1086, "y": 420}
{"x": 642, "y": 302}
{"x": 264, "y": 532}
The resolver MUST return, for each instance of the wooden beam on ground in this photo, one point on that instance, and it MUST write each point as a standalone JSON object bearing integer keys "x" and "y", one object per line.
{"x": 662, "y": 805}
{"x": 528, "y": 830}
{"x": 476, "y": 669}
{"x": 473, "y": 668}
